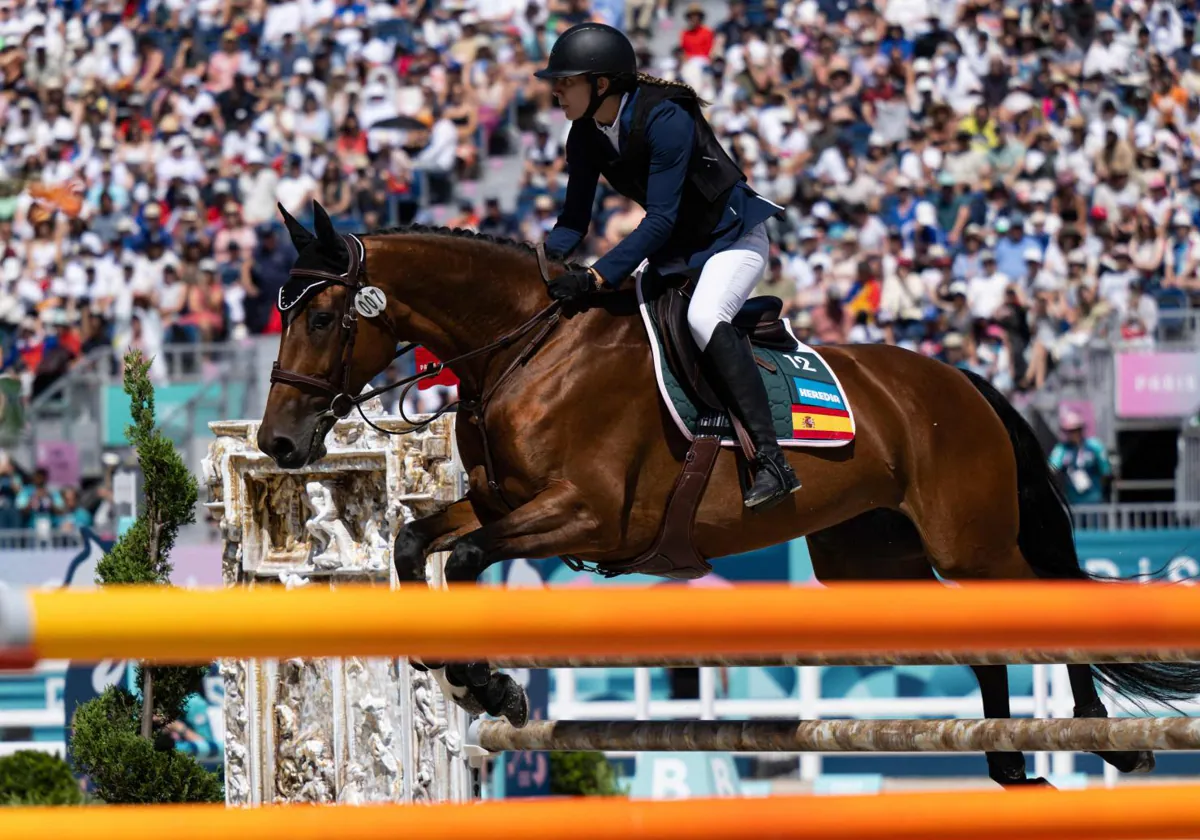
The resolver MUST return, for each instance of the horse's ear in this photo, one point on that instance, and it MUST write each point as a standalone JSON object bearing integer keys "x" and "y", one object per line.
{"x": 300, "y": 236}
{"x": 327, "y": 235}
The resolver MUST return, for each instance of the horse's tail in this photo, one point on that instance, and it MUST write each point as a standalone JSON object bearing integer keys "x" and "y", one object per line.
{"x": 1047, "y": 542}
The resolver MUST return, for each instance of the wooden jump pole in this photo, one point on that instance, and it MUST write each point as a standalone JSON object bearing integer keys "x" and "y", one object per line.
{"x": 1027, "y": 735}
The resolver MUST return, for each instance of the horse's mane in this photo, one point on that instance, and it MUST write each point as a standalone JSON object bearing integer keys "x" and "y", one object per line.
{"x": 463, "y": 233}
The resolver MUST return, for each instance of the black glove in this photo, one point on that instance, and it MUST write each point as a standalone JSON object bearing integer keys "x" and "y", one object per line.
{"x": 571, "y": 285}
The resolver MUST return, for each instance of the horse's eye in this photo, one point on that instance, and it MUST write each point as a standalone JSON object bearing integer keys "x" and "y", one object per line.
{"x": 321, "y": 320}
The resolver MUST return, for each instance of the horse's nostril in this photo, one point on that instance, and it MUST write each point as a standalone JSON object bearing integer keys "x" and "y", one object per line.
{"x": 282, "y": 448}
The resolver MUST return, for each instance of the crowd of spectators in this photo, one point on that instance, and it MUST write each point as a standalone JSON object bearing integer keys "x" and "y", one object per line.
{"x": 145, "y": 145}
{"x": 994, "y": 182}
{"x": 31, "y": 502}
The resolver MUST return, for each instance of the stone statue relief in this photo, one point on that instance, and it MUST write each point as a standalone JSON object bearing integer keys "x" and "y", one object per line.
{"x": 333, "y": 547}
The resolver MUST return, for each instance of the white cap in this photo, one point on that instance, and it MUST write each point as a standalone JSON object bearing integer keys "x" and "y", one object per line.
{"x": 757, "y": 52}
{"x": 1181, "y": 217}
{"x": 255, "y": 156}
{"x": 926, "y": 215}
{"x": 302, "y": 65}
{"x": 1033, "y": 255}
{"x": 924, "y": 84}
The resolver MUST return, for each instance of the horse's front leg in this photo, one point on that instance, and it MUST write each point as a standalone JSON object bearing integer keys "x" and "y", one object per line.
{"x": 419, "y": 538}
{"x": 554, "y": 522}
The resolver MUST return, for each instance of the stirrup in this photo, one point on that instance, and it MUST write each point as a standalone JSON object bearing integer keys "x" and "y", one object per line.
{"x": 785, "y": 479}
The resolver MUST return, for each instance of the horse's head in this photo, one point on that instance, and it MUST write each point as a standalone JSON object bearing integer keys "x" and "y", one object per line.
{"x": 336, "y": 338}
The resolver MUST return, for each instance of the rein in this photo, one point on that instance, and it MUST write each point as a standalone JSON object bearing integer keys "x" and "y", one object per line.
{"x": 359, "y": 302}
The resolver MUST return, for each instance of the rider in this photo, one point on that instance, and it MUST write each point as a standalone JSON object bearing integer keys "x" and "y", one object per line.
{"x": 651, "y": 142}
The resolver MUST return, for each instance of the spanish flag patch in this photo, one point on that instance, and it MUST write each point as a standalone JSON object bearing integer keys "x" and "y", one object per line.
{"x": 818, "y": 423}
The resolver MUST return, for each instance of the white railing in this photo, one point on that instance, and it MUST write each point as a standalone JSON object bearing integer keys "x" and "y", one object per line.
{"x": 31, "y": 718}
{"x": 58, "y": 748}
{"x": 1152, "y": 516}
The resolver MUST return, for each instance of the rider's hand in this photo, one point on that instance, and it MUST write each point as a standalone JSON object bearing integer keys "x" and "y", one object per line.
{"x": 572, "y": 285}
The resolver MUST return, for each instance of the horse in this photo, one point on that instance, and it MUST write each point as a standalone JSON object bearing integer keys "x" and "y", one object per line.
{"x": 570, "y": 451}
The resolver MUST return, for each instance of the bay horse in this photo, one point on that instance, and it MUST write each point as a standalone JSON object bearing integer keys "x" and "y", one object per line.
{"x": 570, "y": 450}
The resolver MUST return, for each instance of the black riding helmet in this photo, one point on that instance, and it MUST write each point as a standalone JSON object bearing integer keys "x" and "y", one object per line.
{"x": 593, "y": 50}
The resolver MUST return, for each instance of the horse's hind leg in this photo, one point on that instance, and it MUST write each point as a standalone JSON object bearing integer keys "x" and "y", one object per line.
{"x": 884, "y": 545}
{"x": 1005, "y": 768}
{"x": 961, "y": 554}
{"x": 1089, "y": 705}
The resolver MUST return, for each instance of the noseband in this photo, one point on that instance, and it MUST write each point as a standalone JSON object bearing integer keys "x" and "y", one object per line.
{"x": 312, "y": 282}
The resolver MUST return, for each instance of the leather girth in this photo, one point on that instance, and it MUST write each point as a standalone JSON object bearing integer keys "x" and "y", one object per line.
{"x": 674, "y": 554}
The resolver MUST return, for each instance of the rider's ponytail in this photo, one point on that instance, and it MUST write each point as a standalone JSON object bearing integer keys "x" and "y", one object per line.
{"x": 647, "y": 79}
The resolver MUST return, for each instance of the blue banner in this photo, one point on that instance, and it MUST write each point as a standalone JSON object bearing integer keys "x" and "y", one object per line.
{"x": 1169, "y": 554}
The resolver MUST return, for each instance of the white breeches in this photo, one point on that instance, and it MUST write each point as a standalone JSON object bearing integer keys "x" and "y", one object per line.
{"x": 726, "y": 280}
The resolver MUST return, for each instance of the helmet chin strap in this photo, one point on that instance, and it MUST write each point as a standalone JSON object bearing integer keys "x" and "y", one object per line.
{"x": 597, "y": 98}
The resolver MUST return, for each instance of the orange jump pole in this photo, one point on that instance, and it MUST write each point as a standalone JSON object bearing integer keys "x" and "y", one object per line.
{"x": 1145, "y": 813}
{"x": 177, "y": 625}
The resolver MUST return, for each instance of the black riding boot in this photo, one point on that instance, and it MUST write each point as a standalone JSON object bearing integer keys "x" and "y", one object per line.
{"x": 730, "y": 358}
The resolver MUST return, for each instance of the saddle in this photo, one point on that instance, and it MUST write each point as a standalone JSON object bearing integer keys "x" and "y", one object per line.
{"x": 758, "y": 320}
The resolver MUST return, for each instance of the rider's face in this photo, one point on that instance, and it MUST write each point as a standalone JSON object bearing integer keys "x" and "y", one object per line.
{"x": 573, "y": 94}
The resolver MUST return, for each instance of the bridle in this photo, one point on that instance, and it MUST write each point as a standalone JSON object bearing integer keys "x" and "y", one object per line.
{"x": 337, "y": 385}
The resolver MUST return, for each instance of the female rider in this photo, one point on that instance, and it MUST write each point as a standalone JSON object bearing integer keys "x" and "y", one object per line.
{"x": 653, "y": 145}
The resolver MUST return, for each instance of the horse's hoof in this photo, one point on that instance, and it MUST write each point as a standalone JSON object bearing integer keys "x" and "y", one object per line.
{"x": 1024, "y": 783}
{"x": 1129, "y": 761}
{"x": 505, "y": 698}
{"x": 516, "y": 706}
{"x": 477, "y": 674}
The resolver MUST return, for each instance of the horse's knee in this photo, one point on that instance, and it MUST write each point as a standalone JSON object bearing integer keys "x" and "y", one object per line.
{"x": 467, "y": 562}
{"x": 408, "y": 553}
